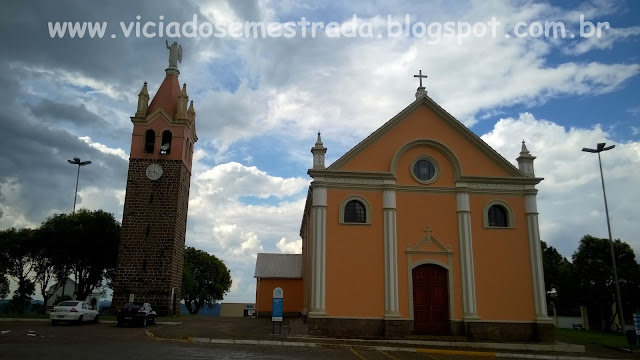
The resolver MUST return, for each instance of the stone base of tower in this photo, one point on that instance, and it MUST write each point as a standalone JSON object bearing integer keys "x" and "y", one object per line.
{"x": 151, "y": 252}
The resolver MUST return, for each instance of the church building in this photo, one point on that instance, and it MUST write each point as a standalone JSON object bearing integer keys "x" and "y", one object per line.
{"x": 423, "y": 228}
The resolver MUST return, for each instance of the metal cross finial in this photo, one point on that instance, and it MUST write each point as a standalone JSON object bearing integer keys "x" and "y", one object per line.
{"x": 420, "y": 76}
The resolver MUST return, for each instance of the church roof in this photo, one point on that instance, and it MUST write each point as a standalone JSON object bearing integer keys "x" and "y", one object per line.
{"x": 167, "y": 96}
{"x": 279, "y": 266}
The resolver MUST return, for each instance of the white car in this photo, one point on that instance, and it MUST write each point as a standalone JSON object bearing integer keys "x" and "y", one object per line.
{"x": 74, "y": 310}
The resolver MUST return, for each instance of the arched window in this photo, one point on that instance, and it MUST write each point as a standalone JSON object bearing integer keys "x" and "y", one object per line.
{"x": 498, "y": 216}
{"x": 165, "y": 148}
{"x": 355, "y": 212}
{"x": 149, "y": 141}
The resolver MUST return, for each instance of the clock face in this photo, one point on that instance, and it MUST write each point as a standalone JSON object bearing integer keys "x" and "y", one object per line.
{"x": 318, "y": 159}
{"x": 154, "y": 171}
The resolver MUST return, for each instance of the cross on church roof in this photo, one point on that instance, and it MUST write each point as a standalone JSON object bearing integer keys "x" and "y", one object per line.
{"x": 420, "y": 76}
{"x": 427, "y": 229}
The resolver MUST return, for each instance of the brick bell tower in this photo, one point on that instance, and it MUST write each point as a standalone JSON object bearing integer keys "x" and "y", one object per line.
{"x": 154, "y": 221}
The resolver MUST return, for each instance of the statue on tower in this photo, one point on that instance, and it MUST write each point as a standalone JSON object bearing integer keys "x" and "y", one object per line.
{"x": 175, "y": 54}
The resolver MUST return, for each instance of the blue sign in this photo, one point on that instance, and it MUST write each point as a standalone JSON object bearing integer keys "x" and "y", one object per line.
{"x": 276, "y": 311}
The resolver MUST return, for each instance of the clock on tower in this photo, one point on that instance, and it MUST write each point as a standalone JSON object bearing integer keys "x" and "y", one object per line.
{"x": 154, "y": 220}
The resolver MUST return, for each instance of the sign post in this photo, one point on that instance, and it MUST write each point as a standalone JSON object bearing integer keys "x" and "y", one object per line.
{"x": 632, "y": 335}
{"x": 276, "y": 310}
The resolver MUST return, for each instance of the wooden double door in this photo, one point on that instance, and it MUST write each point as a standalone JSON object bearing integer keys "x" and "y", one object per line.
{"x": 430, "y": 299}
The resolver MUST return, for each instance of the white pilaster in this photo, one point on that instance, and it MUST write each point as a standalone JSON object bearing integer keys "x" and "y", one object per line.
{"x": 466, "y": 257}
{"x": 390, "y": 255}
{"x": 535, "y": 251}
{"x": 319, "y": 214}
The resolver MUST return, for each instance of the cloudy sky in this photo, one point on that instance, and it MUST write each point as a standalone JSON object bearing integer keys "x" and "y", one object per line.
{"x": 260, "y": 102}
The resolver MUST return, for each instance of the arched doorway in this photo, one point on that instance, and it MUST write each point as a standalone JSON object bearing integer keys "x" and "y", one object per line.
{"x": 430, "y": 299}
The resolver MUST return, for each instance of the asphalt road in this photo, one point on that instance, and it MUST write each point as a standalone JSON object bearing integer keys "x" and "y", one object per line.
{"x": 40, "y": 340}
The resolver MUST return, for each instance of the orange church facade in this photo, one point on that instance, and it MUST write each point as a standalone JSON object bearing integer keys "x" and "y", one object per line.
{"x": 423, "y": 228}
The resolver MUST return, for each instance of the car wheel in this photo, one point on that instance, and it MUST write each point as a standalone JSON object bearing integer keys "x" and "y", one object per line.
{"x": 96, "y": 320}
{"x": 54, "y": 322}
{"x": 80, "y": 320}
{"x": 144, "y": 322}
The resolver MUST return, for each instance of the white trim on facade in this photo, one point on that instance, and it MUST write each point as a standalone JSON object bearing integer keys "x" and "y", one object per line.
{"x": 318, "y": 286}
{"x": 535, "y": 252}
{"x": 391, "y": 306}
{"x": 466, "y": 257}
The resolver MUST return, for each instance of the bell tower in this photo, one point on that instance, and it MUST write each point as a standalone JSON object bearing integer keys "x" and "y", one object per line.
{"x": 154, "y": 221}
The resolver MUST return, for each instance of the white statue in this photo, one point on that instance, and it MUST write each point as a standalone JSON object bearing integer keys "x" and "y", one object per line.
{"x": 175, "y": 54}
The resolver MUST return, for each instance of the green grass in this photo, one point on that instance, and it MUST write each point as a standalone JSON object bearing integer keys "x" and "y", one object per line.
{"x": 607, "y": 339}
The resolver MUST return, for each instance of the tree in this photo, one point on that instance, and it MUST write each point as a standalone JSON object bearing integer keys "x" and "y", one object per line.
{"x": 89, "y": 240}
{"x": 558, "y": 279}
{"x": 593, "y": 276}
{"x": 48, "y": 264}
{"x": 205, "y": 279}
{"x": 4, "y": 286}
{"x": 16, "y": 246}
{"x": 551, "y": 261}
{"x": 4, "y": 281}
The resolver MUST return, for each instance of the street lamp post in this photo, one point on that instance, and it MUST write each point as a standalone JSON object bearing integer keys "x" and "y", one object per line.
{"x": 600, "y": 148}
{"x": 76, "y": 161}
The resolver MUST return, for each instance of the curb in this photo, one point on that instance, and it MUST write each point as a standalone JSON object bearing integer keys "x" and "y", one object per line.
{"x": 378, "y": 348}
{"x": 569, "y": 348}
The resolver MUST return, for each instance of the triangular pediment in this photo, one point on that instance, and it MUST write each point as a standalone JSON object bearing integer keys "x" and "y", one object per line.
{"x": 428, "y": 244}
{"x": 160, "y": 113}
{"x": 386, "y": 140}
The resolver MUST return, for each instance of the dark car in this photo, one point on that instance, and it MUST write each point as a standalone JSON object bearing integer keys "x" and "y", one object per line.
{"x": 136, "y": 313}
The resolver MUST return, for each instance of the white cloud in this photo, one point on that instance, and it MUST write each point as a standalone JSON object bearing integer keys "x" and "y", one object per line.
{"x": 570, "y": 197}
{"x": 94, "y": 198}
{"x": 348, "y": 87}
{"x": 11, "y": 214}
{"x": 605, "y": 41}
{"x": 235, "y": 231}
{"x": 290, "y": 247}
{"x": 77, "y": 79}
{"x": 105, "y": 149}
{"x": 232, "y": 180}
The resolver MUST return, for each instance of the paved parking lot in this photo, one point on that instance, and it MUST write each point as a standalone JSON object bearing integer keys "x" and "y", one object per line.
{"x": 40, "y": 340}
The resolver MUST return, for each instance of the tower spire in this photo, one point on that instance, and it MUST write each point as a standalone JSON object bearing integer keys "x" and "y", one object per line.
{"x": 318, "y": 151}
{"x": 143, "y": 102}
{"x": 525, "y": 161}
